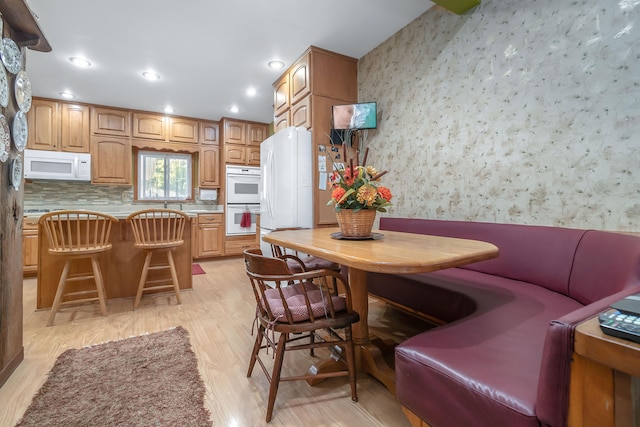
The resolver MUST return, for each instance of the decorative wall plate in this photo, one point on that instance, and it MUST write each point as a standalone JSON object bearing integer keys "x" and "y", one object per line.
{"x": 20, "y": 130}
{"x": 23, "y": 91}
{"x": 4, "y": 87}
{"x": 11, "y": 56}
{"x": 5, "y": 139}
{"x": 16, "y": 172}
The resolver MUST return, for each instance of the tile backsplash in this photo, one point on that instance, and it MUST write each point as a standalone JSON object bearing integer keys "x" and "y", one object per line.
{"x": 523, "y": 112}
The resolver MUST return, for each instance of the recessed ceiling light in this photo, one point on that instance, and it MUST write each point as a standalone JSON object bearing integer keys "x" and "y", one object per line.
{"x": 168, "y": 109}
{"x": 251, "y": 91}
{"x": 275, "y": 64}
{"x": 234, "y": 109}
{"x": 67, "y": 95}
{"x": 151, "y": 75}
{"x": 79, "y": 61}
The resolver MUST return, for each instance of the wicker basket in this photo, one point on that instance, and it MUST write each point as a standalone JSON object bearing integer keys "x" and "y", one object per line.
{"x": 356, "y": 224}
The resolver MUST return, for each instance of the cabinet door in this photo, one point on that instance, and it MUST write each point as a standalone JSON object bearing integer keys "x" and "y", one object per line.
{"x": 253, "y": 156}
{"x": 42, "y": 119}
{"x": 74, "y": 132}
{"x": 234, "y": 154}
{"x": 256, "y": 133}
{"x": 281, "y": 122}
{"x": 183, "y": 130}
{"x": 210, "y": 235}
{"x": 30, "y": 246}
{"x": 210, "y": 133}
{"x": 110, "y": 121}
{"x": 234, "y": 132}
{"x": 209, "y": 166}
{"x": 149, "y": 126}
{"x": 281, "y": 95}
{"x": 299, "y": 82}
{"x": 110, "y": 160}
{"x": 301, "y": 113}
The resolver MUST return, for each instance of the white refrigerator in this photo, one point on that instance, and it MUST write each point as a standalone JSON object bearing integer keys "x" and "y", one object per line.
{"x": 286, "y": 175}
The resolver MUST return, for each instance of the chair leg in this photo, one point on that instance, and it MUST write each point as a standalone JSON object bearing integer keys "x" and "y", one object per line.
{"x": 351, "y": 362}
{"x": 97, "y": 276}
{"x": 256, "y": 349}
{"x": 59, "y": 292}
{"x": 275, "y": 376}
{"x": 143, "y": 279}
{"x": 174, "y": 276}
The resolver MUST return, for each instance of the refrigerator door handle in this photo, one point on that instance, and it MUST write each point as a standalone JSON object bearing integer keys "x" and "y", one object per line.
{"x": 268, "y": 192}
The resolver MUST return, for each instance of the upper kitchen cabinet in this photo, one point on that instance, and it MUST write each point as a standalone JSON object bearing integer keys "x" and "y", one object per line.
{"x": 110, "y": 121}
{"x": 209, "y": 166}
{"x": 210, "y": 133}
{"x": 163, "y": 128}
{"x": 242, "y": 141}
{"x": 58, "y": 126}
{"x": 110, "y": 160}
{"x": 316, "y": 81}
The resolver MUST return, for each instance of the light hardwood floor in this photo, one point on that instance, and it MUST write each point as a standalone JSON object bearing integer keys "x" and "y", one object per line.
{"x": 218, "y": 314}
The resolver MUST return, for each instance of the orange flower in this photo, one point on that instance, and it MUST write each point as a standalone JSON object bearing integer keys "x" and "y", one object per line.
{"x": 337, "y": 194}
{"x": 385, "y": 193}
{"x": 367, "y": 195}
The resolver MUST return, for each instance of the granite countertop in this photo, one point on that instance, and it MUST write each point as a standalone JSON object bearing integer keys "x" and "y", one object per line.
{"x": 123, "y": 211}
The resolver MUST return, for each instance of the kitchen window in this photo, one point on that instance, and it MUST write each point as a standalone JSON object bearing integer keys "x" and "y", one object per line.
{"x": 164, "y": 176}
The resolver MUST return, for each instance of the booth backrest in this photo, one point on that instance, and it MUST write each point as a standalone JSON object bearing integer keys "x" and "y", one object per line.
{"x": 535, "y": 254}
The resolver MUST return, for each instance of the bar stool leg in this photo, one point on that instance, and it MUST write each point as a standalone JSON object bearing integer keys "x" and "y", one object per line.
{"x": 59, "y": 292}
{"x": 97, "y": 276}
{"x": 174, "y": 276}
{"x": 143, "y": 279}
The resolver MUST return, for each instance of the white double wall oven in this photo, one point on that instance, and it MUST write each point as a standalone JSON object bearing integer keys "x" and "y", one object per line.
{"x": 242, "y": 200}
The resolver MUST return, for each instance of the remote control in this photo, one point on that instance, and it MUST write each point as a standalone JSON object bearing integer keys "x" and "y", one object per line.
{"x": 620, "y": 324}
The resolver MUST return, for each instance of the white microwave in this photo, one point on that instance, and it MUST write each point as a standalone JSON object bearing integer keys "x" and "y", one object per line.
{"x": 61, "y": 165}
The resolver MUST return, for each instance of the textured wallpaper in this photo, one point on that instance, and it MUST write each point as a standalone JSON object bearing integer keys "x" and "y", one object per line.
{"x": 521, "y": 112}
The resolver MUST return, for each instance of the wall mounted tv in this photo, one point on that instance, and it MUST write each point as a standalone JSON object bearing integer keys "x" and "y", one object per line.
{"x": 362, "y": 115}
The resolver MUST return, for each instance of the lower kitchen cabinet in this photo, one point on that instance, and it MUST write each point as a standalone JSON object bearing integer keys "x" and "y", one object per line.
{"x": 236, "y": 245}
{"x": 210, "y": 235}
{"x": 29, "y": 246}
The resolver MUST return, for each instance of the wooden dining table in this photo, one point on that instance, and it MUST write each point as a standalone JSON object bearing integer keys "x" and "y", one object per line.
{"x": 387, "y": 252}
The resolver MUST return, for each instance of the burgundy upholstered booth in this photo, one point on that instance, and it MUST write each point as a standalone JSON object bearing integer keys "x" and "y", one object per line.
{"x": 503, "y": 356}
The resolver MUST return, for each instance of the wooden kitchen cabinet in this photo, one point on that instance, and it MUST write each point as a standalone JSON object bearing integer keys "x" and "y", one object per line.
{"x": 209, "y": 166}
{"x": 182, "y": 130}
{"x": 210, "y": 133}
{"x": 29, "y": 246}
{"x": 210, "y": 235}
{"x": 149, "y": 126}
{"x": 43, "y": 121}
{"x": 58, "y": 126}
{"x": 318, "y": 80}
{"x": 74, "y": 128}
{"x": 110, "y": 160}
{"x": 236, "y": 245}
{"x": 110, "y": 121}
{"x": 242, "y": 141}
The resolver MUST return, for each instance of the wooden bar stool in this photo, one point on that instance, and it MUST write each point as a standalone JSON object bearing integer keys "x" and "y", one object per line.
{"x": 76, "y": 235}
{"x": 158, "y": 231}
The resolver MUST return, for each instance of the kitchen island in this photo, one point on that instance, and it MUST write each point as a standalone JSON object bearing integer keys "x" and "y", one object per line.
{"x": 121, "y": 266}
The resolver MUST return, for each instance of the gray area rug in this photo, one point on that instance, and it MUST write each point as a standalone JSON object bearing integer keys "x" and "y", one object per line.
{"x": 149, "y": 380}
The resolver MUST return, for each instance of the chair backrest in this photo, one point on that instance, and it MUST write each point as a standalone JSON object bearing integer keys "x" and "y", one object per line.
{"x": 282, "y": 296}
{"x": 77, "y": 231}
{"x": 158, "y": 227}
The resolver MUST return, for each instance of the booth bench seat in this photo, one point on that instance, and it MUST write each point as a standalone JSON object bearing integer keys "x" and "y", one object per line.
{"x": 502, "y": 355}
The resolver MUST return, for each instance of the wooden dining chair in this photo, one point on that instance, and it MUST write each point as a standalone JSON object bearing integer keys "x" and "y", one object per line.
{"x": 297, "y": 306}
{"x": 158, "y": 231}
{"x": 73, "y": 236}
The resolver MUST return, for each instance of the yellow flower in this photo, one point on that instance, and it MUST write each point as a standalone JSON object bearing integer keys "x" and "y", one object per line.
{"x": 371, "y": 171}
{"x": 367, "y": 195}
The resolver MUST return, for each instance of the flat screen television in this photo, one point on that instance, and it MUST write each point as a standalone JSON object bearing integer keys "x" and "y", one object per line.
{"x": 362, "y": 115}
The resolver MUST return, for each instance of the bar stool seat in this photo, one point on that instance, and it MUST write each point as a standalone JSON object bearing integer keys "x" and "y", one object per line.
{"x": 74, "y": 235}
{"x": 158, "y": 231}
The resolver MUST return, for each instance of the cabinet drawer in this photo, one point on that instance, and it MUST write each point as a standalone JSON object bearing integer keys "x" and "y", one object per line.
{"x": 29, "y": 223}
{"x": 209, "y": 218}
{"x": 236, "y": 247}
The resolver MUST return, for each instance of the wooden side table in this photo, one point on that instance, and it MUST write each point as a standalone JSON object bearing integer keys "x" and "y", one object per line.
{"x": 605, "y": 379}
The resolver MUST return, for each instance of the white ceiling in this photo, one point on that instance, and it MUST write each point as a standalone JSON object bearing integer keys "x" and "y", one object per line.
{"x": 208, "y": 52}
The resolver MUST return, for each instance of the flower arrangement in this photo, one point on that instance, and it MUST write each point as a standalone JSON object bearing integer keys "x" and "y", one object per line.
{"x": 358, "y": 186}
